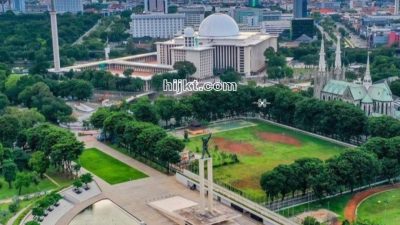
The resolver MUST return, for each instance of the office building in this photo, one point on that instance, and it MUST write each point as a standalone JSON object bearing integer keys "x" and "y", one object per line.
{"x": 72, "y": 6}
{"x": 302, "y": 26}
{"x": 194, "y": 15}
{"x": 254, "y": 3}
{"x": 156, "y": 25}
{"x": 156, "y": 6}
{"x": 276, "y": 27}
{"x": 218, "y": 45}
{"x": 299, "y": 8}
{"x": 18, "y": 6}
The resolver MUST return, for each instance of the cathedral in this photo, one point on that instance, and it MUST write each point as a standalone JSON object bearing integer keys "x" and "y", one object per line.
{"x": 374, "y": 99}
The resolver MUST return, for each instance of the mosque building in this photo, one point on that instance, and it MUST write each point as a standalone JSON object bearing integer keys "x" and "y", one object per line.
{"x": 218, "y": 45}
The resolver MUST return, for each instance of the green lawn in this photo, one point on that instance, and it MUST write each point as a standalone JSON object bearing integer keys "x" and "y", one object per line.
{"x": 245, "y": 175}
{"x": 108, "y": 168}
{"x": 383, "y": 208}
{"x": 5, "y": 214}
{"x": 44, "y": 185}
{"x": 335, "y": 204}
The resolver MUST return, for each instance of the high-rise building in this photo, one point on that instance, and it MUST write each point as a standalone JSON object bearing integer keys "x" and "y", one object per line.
{"x": 302, "y": 26}
{"x": 73, "y": 6}
{"x": 156, "y": 25}
{"x": 193, "y": 15}
{"x": 396, "y": 7}
{"x": 156, "y": 6}
{"x": 299, "y": 8}
{"x": 18, "y": 5}
{"x": 253, "y": 3}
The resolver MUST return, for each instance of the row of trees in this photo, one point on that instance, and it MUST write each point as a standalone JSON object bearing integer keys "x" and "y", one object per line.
{"x": 50, "y": 145}
{"x": 331, "y": 118}
{"x": 143, "y": 138}
{"x": 350, "y": 169}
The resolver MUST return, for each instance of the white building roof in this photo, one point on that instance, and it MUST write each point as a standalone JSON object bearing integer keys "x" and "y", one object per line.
{"x": 218, "y": 25}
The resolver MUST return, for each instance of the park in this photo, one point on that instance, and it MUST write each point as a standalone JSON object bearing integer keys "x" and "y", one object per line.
{"x": 260, "y": 147}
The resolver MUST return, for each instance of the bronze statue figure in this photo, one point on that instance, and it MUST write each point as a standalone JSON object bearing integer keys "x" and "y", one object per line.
{"x": 205, "y": 146}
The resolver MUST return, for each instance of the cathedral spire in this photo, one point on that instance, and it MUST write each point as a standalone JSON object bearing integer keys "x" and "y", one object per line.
{"x": 338, "y": 55}
{"x": 322, "y": 62}
{"x": 367, "y": 81}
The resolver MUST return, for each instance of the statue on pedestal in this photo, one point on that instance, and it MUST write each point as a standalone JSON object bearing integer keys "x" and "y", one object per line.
{"x": 205, "y": 146}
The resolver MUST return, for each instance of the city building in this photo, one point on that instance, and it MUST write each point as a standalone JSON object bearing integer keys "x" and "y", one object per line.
{"x": 299, "y": 8}
{"x": 156, "y": 6}
{"x": 302, "y": 26}
{"x": 276, "y": 27}
{"x": 373, "y": 98}
{"x": 394, "y": 38}
{"x": 156, "y": 25}
{"x": 254, "y": 3}
{"x": 72, "y": 6}
{"x": 193, "y": 15}
{"x": 220, "y": 44}
{"x": 396, "y": 7}
{"x": 18, "y": 6}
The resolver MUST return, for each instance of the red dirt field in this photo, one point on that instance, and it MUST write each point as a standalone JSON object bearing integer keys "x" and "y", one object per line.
{"x": 249, "y": 182}
{"x": 351, "y": 207}
{"x": 235, "y": 147}
{"x": 279, "y": 138}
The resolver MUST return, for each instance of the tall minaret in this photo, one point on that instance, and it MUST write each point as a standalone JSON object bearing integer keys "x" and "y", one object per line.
{"x": 320, "y": 78}
{"x": 367, "y": 81}
{"x": 338, "y": 71}
{"x": 54, "y": 37}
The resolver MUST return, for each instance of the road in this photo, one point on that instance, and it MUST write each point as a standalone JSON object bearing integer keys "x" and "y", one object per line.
{"x": 80, "y": 39}
{"x": 354, "y": 41}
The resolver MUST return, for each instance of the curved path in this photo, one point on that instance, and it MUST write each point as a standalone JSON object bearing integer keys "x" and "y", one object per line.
{"x": 350, "y": 212}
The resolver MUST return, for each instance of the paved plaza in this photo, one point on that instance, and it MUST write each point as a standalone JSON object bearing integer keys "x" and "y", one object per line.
{"x": 134, "y": 196}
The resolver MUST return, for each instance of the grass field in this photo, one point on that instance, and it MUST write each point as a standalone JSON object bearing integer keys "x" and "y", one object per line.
{"x": 44, "y": 185}
{"x": 335, "y": 204}
{"x": 108, "y": 168}
{"x": 260, "y": 148}
{"x": 383, "y": 208}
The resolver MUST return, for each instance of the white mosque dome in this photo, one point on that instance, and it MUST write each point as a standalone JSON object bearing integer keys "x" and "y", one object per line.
{"x": 218, "y": 25}
{"x": 188, "y": 32}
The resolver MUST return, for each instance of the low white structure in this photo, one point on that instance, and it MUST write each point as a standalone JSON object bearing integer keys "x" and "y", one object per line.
{"x": 156, "y": 25}
{"x": 218, "y": 36}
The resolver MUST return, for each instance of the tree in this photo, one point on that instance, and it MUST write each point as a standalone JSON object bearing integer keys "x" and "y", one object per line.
{"x": 23, "y": 179}
{"x": 76, "y": 168}
{"x": 383, "y": 126}
{"x": 395, "y": 87}
{"x": 165, "y": 108}
{"x": 230, "y": 75}
{"x": 306, "y": 169}
{"x": 9, "y": 172}
{"x": 86, "y": 178}
{"x": 271, "y": 182}
{"x": 310, "y": 221}
{"x": 185, "y": 68}
{"x": 98, "y": 117}
{"x": 168, "y": 149}
{"x": 32, "y": 223}
{"x": 77, "y": 185}
{"x": 39, "y": 162}
{"x": 148, "y": 138}
{"x": 3, "y": 102}
{"x": 10, "y": 127}
{"x": 37, "y": 212}
{"x": 144, "y": 111}
{"x": 128, "y": 72}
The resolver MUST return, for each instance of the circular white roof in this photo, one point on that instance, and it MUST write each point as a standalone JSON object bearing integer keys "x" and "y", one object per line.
{"x": 218, "y": 25}
{"x": 188, "y": 32}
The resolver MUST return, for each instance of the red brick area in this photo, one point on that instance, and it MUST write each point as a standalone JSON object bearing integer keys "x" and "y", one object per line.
{"x": 279, "y": 138}
{"x": 351, "y": 207}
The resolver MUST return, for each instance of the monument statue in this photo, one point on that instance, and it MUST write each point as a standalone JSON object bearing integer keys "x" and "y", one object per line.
{"x": 205, "y": 146}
